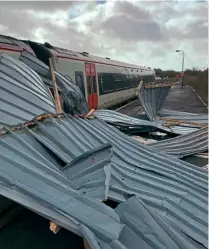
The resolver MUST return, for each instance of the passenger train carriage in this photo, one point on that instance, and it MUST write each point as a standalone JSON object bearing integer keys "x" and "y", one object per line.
{"x": 103, "y": 82}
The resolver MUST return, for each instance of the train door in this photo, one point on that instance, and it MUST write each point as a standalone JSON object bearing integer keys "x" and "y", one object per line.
{"x": 80, "y": 82}
{"x": 91, "y": 85}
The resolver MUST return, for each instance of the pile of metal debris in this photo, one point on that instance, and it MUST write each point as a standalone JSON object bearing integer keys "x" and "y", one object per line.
{"x": 64, "y": 166}
{"x": 152, "y": 97}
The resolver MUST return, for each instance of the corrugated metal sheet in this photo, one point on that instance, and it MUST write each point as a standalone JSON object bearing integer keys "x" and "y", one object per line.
{"x": 90, "y": 172}
{"x": 166, "y": 112}
{"x": 73, "y": 100}
{"x": 23, "y": 94}
{"x": 29, "y": 178}
{"x": 94, "y": 164}
{"x": 144, "y": 228}
{"x": 136, "y": 170}
{"x": 152, "y": 98}
{"x": 122, "y": 120}
{"x": 184, "y": 145}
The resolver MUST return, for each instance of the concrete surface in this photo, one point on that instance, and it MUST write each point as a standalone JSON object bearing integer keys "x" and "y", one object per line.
{"x": 178, "y": 99}
{"x": 185, "y": 100}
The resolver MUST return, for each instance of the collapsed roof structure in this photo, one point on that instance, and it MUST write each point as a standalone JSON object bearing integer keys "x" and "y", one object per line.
{"x": 63, "y": 167}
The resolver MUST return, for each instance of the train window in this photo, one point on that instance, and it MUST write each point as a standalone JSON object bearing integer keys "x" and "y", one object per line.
{"x": 118, "y": 78}
{"x": 118, "y": 82}
{"x": 147, "y": 79}
{"x": 131, "y": 81}
{"x": 79, "y": 81}
{"x": 126, "y": 81}
{"x": 100, "y": 83}
{"x": 94, "y": 84}
{"x": 108, "y": 83}
{"x": 89, "y": 84}
{"x": 136, "y": 80}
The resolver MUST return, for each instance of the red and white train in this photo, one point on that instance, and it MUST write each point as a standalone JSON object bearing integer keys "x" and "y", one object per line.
{"x": 103, "y": 82}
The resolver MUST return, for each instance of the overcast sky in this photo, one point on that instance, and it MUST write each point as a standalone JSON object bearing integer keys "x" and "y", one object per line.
{"x": 140, "y": 32}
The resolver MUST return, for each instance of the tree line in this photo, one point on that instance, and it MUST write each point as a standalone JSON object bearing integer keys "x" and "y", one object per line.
{"x": 172, "y": 73}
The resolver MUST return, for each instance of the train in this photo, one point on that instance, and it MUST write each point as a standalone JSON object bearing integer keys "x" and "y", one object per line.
{"x": 103, "y": 82}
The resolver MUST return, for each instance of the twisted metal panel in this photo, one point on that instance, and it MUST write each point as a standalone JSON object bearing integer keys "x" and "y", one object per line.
{"x": 152, "y": 98}
{"x": 147, "y": 228}
{"x": 30, "y": 177}
{"x": 136, "y": 170}
{"x": 73, "y": 100}
{"x": 184, "y": 145}
{"x": 23, "y": 94}
{"x": 122, "y": 120}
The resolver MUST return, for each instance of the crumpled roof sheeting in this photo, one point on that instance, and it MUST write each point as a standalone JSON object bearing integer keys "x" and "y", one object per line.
{"x": 136, "y": 170}
{"x": 146, "y": 228}
{"x": 152, "y": 98}
{"x": 184, "y": 145}
{"x": 74, "y": 101}
{"x": 166, "y": 112}
{"x": 29, "y": 178}
{"x": 94, "y": 164}
{"x": 23, "y": 94}
{"x": 122, "y": 120}
{"x": 90, "y": 172}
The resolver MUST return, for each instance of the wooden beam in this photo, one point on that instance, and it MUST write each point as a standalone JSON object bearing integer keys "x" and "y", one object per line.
{"x": 90, "y": 113}
{"x": 86, "y": 244}
{"x": 56, "y": 94}
{"x": 170, "y": 122}
{"x": 54, "y": 227}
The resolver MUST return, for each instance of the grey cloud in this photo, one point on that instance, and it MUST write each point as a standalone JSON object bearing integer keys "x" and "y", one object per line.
{"x": 17, "y": 23}
{"x": 201, "y": 11}
{"x": 131, "y": 10}
{"x": 201, "y": 47}
{"x": 196, "y": 30}
{"x": 167, "y": 47}
{"x": 44, "y": 6}
{"x": 126, "y": 28}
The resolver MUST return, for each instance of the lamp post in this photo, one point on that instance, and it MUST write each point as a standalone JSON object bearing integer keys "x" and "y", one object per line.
{"x": 182, "y": 71}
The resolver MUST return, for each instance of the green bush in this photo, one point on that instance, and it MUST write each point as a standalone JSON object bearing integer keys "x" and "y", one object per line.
{"x": 199, "y": 81}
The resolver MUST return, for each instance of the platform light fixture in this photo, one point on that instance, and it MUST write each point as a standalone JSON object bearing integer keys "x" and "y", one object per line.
{"x": 182, "y": 71}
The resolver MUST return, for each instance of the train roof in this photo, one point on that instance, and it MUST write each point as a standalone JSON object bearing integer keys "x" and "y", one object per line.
{"x": 85, "y": 56}
{"x": 9, "y": 43}
{"x": 69, "y": 54}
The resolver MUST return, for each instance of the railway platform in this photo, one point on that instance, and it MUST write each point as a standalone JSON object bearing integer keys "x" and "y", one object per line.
{"x": 179, "y": 99}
